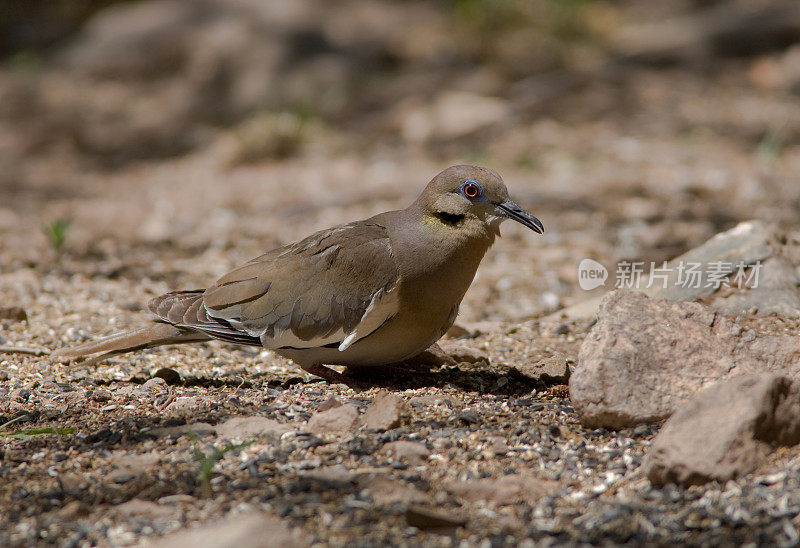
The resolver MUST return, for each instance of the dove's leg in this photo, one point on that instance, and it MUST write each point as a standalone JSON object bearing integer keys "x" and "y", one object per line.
{"x": 332, "y": 376}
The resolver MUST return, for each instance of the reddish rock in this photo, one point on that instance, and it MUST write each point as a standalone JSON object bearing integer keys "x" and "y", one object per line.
{"x": 338, "y": 419}
{"x": 386, "y": 411}
{"x": 127, "y": 466}
{"x": 386, "y": 491}
{"x": 138, "y": 508}
{"x": 725, "y": 431}
{"x": 645, "y": 357}
{"x": 250, "y": 530}
{"x": 505, "y": 490}
{"x": 412, "y": 451}
{"x": 330, "y": 403}
{"x": 551, "y": 369}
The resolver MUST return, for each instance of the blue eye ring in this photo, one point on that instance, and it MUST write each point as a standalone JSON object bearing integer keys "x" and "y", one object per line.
{"x": 471, "y": 190}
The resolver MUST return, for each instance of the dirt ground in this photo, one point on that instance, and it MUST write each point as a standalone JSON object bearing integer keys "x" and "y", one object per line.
{"x": 635, "y": 163}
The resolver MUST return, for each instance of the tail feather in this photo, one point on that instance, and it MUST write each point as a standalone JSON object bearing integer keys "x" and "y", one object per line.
{"x": 184, "y": 308}
{"x": 155, "y": 334}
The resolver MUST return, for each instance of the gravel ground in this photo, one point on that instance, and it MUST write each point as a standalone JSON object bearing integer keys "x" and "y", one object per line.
{"x": 476, "y": 423}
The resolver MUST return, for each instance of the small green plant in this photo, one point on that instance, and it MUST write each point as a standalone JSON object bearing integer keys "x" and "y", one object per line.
{"x": 565, "y": 19}
{"x": 270, "y": 135}
{"x": 771, "y": 145}
{"x": 207, "y": 461}
{"x": 31, "y": 432}
{"x": 479, "y": 157}
{"x": 24, "y": 62}
{"x": 527, "y": 160}
{"x": 56, "y": 233}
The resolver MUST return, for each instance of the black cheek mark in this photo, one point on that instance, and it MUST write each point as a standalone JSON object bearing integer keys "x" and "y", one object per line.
{"x": 449, "y": 218}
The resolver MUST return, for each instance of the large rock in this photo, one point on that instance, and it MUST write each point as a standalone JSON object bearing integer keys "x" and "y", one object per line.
{"x": 707, "y": 32}
{"x": 724, "y": 431}
{"x": 775, "y": 293}
{"x": 156, "y": 78}
{"x": 452, "y": 115}
{"x": 747, "y": 243}
{"x": 645, "y": 357}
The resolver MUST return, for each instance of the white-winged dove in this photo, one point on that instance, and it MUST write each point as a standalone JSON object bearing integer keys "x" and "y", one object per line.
{"x": 371, "y": 292}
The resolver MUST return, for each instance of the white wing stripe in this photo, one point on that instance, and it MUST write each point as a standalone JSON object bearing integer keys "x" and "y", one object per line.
{"x": 383, "y": 306}
{"x": 348, "y": 340}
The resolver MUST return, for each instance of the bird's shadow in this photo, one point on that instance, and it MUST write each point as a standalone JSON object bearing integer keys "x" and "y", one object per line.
{"x": 505, "y": 381}
{"x": 478, "y": 377}
{"x": 501, "y": 381}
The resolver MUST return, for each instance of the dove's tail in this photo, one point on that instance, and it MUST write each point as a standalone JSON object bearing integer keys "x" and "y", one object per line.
{"x": 155, "y": 334}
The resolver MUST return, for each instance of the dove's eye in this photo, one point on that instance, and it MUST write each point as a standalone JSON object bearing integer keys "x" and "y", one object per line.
{"x": 471, "y": 190}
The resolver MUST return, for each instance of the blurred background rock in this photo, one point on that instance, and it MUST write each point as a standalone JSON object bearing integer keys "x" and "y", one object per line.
{"x": 130, "y": 80}
{"x": 637, "y": 129}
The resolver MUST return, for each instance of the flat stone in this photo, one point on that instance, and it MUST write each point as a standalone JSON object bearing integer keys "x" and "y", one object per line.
{"x": 176, "y": 499}
{"x": 250, "y": 427}
{"x": 387, "y": 491}
{"x": 133, "y": 391}
{"x": 457, "y": 331}
{"x": 335, "y": 477}
{"x": 156, "y": 384}
{"x": 101, "y": 395}
{"x": 386, "y": 411}
{"x": 553, "y": 369}
{"x": 411, "y": 451}
{"x": 250, "y": 530}
{"x": 431, "y": 400}
{"x": 472, "y": 330}
{"x": 505, "y": 490}
{"x": 432, "y": 357}
{"x": 746, "y": 243}
{"x": 725, "y": 431}
{"x": 73, "y": 510}
{"x": 338, "y": 419}
{"x": 72, "y": 482}
{"x": 145, "y": 509}
{"x": 452, "y": 114}
{"x": 128, "y": 466}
